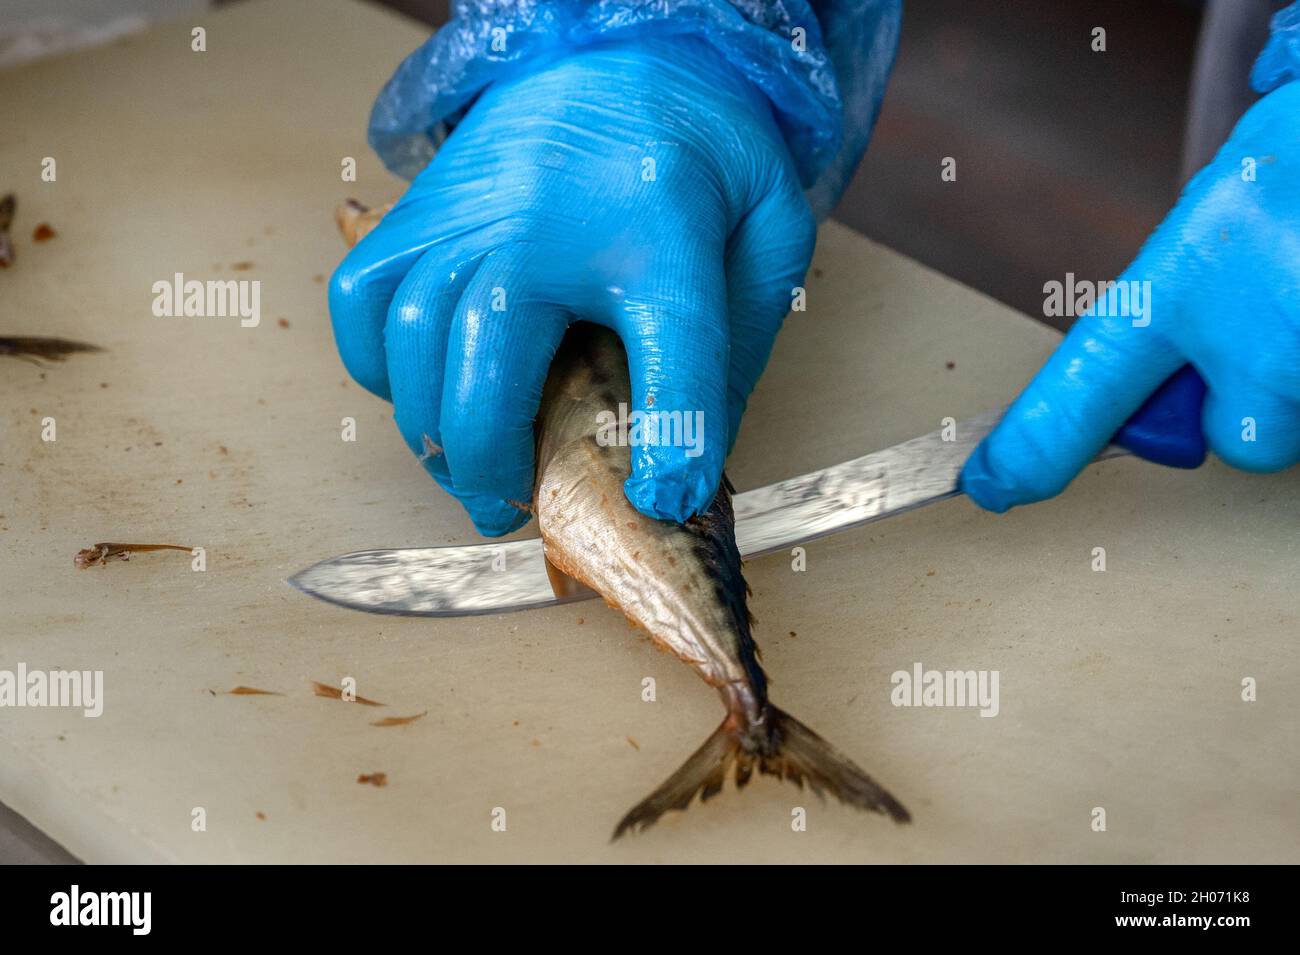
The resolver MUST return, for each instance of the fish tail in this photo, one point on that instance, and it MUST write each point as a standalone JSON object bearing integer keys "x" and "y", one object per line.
{"x": 801, "y": 756}
{"x": 784, "y": 748}
{"x": 703, "y": 773}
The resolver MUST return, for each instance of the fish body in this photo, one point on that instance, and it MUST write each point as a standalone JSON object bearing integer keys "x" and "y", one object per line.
{"x": 680, "y": 583}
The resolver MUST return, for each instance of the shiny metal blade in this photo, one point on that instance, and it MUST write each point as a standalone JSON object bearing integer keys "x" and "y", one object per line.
{"x": 856, "y": 492}
{"x": 498, "y": 578}
{"x": 441, "y": 581}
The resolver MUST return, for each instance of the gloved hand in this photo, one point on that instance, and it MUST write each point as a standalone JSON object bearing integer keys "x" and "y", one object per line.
{"x": 1224, "y": 269}
{"x": 642, "y": 185}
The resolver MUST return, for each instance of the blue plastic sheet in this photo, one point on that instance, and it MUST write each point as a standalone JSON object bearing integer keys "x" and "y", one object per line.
{"x": 823, "y": 67}
{"x": 1280, "y": 61}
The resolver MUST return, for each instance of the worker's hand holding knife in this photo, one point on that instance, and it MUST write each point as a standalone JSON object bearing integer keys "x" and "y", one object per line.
{"x": 1224, "y": 296}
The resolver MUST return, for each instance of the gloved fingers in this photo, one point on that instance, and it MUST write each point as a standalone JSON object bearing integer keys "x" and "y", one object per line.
{"x": 362, "y": 288}
{"x": 502, "y": 340}
{"x": 1250, "y": 428}
{"x": 1095, "y": 380}
{"x": 674, "y": 329}
{"x": 415, "y": 338}
{"x": 767, "y": 257}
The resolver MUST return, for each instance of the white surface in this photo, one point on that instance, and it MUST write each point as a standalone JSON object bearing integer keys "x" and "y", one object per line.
{"x": 1118, "y": 690}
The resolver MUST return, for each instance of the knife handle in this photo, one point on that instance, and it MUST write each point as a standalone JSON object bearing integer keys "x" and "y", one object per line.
{"x": 1167, "y": 429}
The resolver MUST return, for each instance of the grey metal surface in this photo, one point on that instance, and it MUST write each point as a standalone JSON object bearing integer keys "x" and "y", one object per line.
{"x": 21, "y": 843}
{"x": 1232, "y": 34}
{"x": 859, "y": 491}
{"x": 497, "y": 578}
{"x": 437, "y": 581}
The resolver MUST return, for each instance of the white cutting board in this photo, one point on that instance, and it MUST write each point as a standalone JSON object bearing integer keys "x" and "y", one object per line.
{"x": 1119, "y": 690}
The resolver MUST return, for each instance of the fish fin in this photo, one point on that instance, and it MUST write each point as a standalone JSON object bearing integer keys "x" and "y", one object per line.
{"x": 798, "y": 754}
{"x": 356, "y": 219}
{"x": 704, "y": 772}
{"x": 562, "y": 584}
{"x": 791, "y": 751}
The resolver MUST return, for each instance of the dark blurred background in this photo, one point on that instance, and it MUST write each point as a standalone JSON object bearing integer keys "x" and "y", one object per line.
{"x": 1066, "y": 158}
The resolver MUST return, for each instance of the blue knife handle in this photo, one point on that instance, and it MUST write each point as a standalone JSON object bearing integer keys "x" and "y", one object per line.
{"x": 1167, "y": 429}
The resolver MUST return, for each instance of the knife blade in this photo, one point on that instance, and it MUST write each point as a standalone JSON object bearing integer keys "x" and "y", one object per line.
{"x": 496, "y": 578}
{"x": 499, "y": 578}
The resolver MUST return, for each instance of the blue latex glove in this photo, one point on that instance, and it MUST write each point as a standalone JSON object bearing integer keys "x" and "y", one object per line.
{"x": 1224, "y": 269}
{"x": 554, "y": 104}
{"x": 539, "y": 205}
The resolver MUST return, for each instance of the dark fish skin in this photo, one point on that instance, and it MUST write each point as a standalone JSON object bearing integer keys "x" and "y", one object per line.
{"x": 681, "y": 583}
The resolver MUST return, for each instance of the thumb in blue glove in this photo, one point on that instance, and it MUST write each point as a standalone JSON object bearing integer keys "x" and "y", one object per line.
{"x": 642, "y": 185}
{"x": 1224, "y": 295}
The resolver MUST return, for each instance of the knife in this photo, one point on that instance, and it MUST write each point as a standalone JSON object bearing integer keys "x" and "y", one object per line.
{"x": 498, "y": 578}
